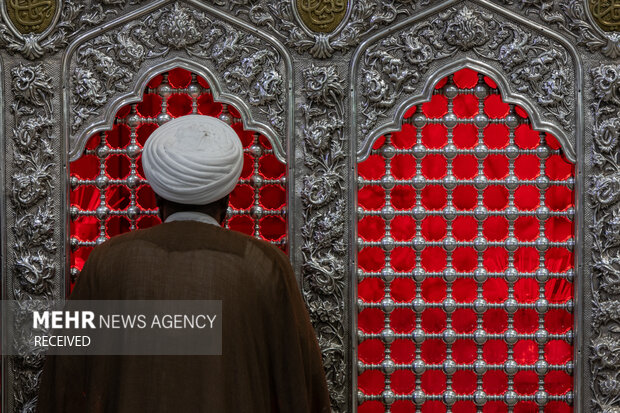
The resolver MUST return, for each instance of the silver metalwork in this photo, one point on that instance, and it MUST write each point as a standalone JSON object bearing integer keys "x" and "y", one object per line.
{"x": 33, "y": 263}
{"x": 109, "y": 70}
{"x": 368, "y": 22}
{"x": 573, "y": 18}
{"x": 604, "y": 191}
{"x": 133, "y": 182}
{"x": 479, "y": 244}
{"x": 540, "y": 80}
{"x": 323, "y": 233}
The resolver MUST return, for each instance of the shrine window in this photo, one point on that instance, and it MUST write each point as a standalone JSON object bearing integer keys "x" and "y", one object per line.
{"x": 465, "y": 261}
{"x": 110, "y": 195}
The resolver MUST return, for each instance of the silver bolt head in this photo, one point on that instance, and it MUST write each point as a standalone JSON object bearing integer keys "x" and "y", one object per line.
{"x": 449, "y": 274}
{"x": 449, "y": 336}
{"x": 541, "y": 336}
{"x": 419, "y": 120}
{"x": 388, "y": 243}
{"x": 418, "y": 366}
{"x": 449, "y": 366}
{"x": 387, "y": 213}
{"x": 450, "y": 150}
{"x": 511, "y": 120}
{"x": 418, "y": 335}
{"x": 418, "y": 305}
{"x": 450, "y": 120}
{"x": 480, "y": 367}
{"x": 388, "y": 336}
{"x": 511, "y": 336}
{"x": 449, "y": 244}
{"x": 388, "y": 182}
{"x": 511, "y": 367}
{"x": 449, "y": 305}
{"x": 481, "y": 120}
{"x": 133, "y": 150}
{"x": 388, "y": 366}
{"x": 511, "y": 306}
{"x": 102, "y": 181}
{"x": 387, "y": 274}
{"x": 480, "y": 244}
{"x": 388, "y": 151}
{"x": 511, "y": 244}
{"x": 388, "y": 397}
{"x": 480, "y": 398}
{"x": 387, "y": 305}
{"x": 480, "y": 305}
{"x": 480, "y": 336}
{"x": 419, "y": 397}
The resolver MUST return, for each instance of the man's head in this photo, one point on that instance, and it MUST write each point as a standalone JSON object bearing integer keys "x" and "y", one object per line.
{"x": 193, "y": 163}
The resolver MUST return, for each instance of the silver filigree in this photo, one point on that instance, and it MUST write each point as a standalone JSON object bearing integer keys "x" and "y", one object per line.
{"x": 324, "y": 248}
{"x": 604, "y": 191}
{"x": 537, "y": 66}
{"x": 107, "y": 65}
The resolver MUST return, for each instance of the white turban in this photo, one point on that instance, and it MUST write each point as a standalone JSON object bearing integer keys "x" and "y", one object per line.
{"x": 193, "y": 160}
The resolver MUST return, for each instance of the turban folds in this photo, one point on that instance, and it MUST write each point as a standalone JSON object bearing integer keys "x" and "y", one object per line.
{"x": 193, "y": 159}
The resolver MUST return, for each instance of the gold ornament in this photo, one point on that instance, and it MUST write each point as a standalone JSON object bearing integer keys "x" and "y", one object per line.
{"x": 606, "y": 13}
{"x": 31, "y": 16}
{"x": 322, "y": 15}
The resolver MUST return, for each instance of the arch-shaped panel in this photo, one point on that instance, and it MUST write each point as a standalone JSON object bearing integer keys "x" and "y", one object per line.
{"x": 105, "y": 70}
{"x": 534, "y": 69}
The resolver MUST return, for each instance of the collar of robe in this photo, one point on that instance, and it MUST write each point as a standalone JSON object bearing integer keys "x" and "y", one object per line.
{"x": 192, "y": 216}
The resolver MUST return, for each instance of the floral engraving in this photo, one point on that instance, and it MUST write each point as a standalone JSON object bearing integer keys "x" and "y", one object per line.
{"x": 75, "y": 16}
{"x": 324, "y": 247}
{"x": 107, "y": 64}
{"x": 365, "y": 16}
{"x": 570, "y": 16}
{"x": 33, "y": 262}
{"x": 539, "y": 68}
{"x": 604, "y": 191}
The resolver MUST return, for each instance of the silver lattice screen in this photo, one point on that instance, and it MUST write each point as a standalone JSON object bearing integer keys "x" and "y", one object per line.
{"x": 465, "y": 260}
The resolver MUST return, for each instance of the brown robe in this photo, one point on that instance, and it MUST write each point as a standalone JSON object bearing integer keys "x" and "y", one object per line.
{"x": 270, "y": 358}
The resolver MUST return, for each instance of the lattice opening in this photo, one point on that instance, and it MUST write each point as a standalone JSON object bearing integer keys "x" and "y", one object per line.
{"x": 110, "y": 196}
{"x": 465, "y": 262}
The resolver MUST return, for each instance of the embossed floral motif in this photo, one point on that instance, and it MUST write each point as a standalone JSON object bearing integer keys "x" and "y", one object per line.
{"x": 107, "y": 64}
{"x": 606, "y": 135}
{"x": 322, "y": 85}
{"x": 88, "y": 87}
{"x": 323, "y": 232}
{"x": 570, "y": 17}
{"x": 180, "y": 31}
{"x": 467, "y": 29}
{"x": 392, "y": 67}
{"x": 607, "y": 83}
{"x": 364, "y": 17}
{"x": 604, "y": 191}
{"x": 31, "y": 85}
{"x": 376, "y": 89}
{"x": 75, "y": 17}
{"x": 32, "y": 262}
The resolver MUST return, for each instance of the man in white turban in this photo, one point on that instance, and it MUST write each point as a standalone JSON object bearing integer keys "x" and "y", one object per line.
{"x": 270, "y": 358}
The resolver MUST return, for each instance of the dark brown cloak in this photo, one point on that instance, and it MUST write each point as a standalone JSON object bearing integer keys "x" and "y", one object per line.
{"x": 270, "y": 360}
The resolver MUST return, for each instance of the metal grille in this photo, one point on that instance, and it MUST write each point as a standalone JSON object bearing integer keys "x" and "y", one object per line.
{"x": 465, "y": 263}
{"x": 109, "y": 194}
